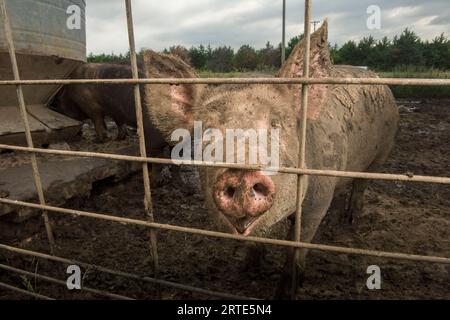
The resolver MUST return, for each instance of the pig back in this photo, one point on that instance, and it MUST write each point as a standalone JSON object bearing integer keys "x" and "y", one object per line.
{"x": 116, "y": 101}
{"x": 356, "y": 127}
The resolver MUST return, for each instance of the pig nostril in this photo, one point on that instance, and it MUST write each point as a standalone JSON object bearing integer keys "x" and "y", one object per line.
{"x": 230, "y": 191}
{"x": 261, "y": 189}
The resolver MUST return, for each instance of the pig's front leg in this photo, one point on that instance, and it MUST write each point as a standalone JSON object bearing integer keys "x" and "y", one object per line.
{"x": 156, "y": 177}
{"x": 359, "y": 186}
{"x": 285, "y": 284}
{"x": 356, "y": 200}
{"x": 314, "y": 209}
{"x": 155, "y": 150}
{"x": 100, "y": 128}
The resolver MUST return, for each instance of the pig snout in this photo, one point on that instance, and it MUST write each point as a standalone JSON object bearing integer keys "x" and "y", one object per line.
{"x": 243, "y": 196}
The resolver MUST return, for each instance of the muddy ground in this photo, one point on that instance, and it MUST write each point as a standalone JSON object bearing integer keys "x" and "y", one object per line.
{"x": 403, "y": 217}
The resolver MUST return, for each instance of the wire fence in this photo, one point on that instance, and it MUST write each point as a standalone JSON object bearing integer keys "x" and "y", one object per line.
{"x": 301, "y": 171}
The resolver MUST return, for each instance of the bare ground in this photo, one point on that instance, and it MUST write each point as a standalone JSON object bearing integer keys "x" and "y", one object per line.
{"x": 403, "y": 217}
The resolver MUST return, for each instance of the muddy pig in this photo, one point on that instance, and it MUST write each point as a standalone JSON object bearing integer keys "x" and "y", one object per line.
{"x": 350, "y": 127}
{"x": 94, "y": 102}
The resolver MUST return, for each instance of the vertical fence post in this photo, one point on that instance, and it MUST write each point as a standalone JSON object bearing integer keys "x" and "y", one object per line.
{"x": 24, "y": 114}
{"x": 302, "y": 146}
{"x": 283, "y": 36}
{"x": 140, "y": 129}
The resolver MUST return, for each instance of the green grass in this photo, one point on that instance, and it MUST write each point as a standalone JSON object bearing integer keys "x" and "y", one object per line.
{"x": 419, "y": 91}
{"x": 416, "y": 72}
{"x": 211, "y": 74}
{"x": 27, "y": 284}
{"x": 236, "y": 74}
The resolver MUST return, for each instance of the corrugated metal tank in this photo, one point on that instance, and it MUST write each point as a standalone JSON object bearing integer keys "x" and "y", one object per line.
{"x": 46, "y": 47}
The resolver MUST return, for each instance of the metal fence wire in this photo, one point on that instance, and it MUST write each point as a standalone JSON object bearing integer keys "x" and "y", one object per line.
{"x": 301, "y": 171}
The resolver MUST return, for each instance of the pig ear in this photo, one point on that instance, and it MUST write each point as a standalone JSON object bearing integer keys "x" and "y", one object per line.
{"x": 320, "y": 56}
{"x": 170, "y": 107}
{"x": 320, "y": 66}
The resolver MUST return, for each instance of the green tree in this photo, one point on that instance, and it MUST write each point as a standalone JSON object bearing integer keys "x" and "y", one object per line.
{"x": 437, "y": 52}
{"x": 404, "y": 50}
{"x": 269, "y": 57}
{"x": 407, "y": 49}
{"x": 221, "y": 59}
{"x": 349, "y": 53}
{"x": 198, "y": 56}
{"x": 365, "y": 49}
{"x": 334, "y": 54}
{"x": 380, "y": 57}
{"x": 292, "y": 43}
{"x": 246, "y": 58}
{"x": 109, "y": 58}
{"x": 180, "y": 52}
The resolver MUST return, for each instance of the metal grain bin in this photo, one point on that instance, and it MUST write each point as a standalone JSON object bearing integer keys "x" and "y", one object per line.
{"x": 46, "y": 48}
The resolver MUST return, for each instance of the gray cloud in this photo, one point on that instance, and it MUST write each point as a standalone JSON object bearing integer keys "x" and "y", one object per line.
{"x": 235, "y": 22}
{"x": 440, "y": 20}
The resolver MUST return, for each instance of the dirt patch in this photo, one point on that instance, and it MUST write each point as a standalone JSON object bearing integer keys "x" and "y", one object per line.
{"x": 403, "y": 217}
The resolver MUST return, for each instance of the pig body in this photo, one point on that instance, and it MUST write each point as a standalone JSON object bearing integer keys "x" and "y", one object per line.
{"x": 94, "y": 102}
{"x": 350, "y": 128}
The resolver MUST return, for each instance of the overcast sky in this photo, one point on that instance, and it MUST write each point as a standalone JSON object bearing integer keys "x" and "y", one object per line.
{"x": 162, "y": 23}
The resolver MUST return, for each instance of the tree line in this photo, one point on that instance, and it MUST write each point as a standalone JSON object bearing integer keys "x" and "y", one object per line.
{"x": 404, "y": 50}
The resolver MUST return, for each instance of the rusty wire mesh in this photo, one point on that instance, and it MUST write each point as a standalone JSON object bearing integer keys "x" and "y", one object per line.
{"x": 300, "y": 170}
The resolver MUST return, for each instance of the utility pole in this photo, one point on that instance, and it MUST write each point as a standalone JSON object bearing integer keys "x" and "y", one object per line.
{"x": 315, "y": 22}
{"x": 283, "y": 37}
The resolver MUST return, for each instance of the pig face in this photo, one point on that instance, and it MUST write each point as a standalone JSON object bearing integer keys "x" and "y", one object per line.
{"x": 249, "y": 202}
{"x": 243, "y": 202}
